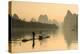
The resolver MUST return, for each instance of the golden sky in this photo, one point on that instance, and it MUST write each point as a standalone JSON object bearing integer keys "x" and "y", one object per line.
{"x": 28, "y": 10}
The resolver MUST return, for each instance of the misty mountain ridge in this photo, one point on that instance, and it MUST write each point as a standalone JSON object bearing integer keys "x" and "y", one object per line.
{"x": 70, "y": 26}
{"x": 41, "y": 19}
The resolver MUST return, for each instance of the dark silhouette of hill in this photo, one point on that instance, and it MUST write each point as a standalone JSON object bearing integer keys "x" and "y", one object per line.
{"x": 15, "y": 16}
{"x": 17, "y": 23}
{"x": 70, "y": 26}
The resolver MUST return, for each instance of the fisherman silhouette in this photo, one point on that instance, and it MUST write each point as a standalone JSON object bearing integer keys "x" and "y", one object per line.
{"x": 33, "y": 33}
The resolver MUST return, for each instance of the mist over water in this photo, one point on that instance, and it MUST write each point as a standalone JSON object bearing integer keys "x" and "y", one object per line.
{"x": 56, "y": 41}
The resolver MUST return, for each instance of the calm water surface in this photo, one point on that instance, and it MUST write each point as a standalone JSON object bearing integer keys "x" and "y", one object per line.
{"x": 55, "y": 42}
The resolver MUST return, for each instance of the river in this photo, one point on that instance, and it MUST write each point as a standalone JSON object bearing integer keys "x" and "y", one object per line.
{"x": 55, "y": 42}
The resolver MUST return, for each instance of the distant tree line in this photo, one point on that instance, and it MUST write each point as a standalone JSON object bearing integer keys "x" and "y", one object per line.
{"x": 18, "y": 23}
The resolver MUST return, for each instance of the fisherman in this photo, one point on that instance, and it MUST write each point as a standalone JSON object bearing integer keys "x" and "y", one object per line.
{"x": 33, "y": 33}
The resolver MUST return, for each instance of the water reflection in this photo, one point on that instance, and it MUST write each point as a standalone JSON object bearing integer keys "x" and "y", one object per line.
{"x": 70, "y": 28}
{"x": 41, "y": 36}
{"x": 42, "y": 40}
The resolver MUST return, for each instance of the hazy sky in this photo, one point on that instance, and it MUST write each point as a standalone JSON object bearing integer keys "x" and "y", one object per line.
{"x": 28, "y": 10}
